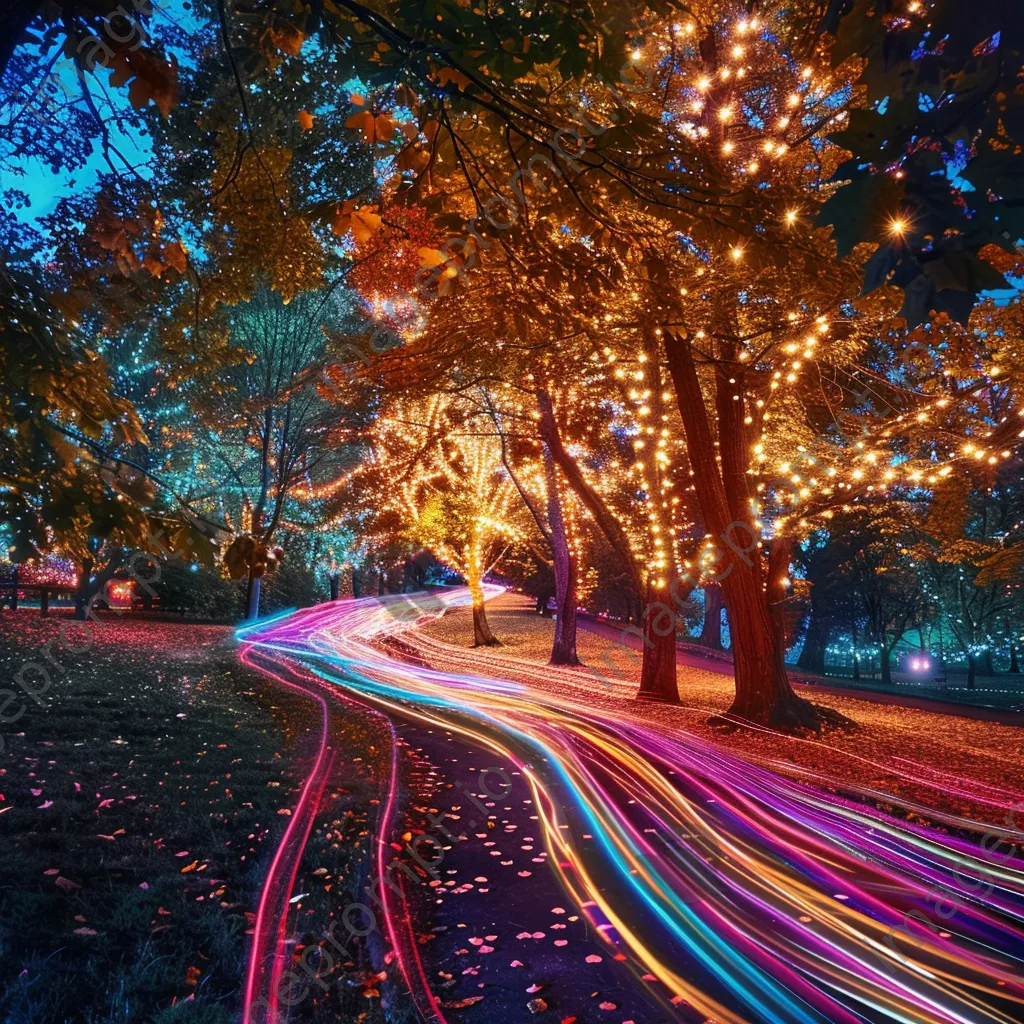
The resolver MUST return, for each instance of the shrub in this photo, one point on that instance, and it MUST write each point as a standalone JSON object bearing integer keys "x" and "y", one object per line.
{"x": 199, "y": 592}
{"x": 291, "y": 585}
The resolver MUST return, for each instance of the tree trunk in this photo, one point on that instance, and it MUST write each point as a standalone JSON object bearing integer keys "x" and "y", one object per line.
{"x": 711, "y": 631}
{"x": 985, "y": 666}
{"x": 972, "y": 671}
{"x": 606, "y": 522}
{"x": 883, "y": 657}
{"x": 763, "y": 692}
{"x": 658, "y": 671}
{"x": 563, "y": 650}
{"x": 88, "y": 589}
{"x": 252, "y": 598}
{"x": 1014, "y": 665}
{"x": 775, "y": 587}
{"x": 482, "y": 635}
{"x": 812, "y": 656}
{"x": 856, "y": 659}
{"x": 82, "y": 594}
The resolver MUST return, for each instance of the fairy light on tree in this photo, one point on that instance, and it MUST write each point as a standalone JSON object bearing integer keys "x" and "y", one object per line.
{"x": 442, "y": 464}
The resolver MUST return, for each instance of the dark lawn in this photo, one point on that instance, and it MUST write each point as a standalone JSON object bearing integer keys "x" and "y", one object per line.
{"x": 138, "y": 807}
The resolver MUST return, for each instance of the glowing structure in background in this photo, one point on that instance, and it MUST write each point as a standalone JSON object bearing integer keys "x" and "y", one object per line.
{"x": 747, "y": 895}
{"x": 439, "y": 464}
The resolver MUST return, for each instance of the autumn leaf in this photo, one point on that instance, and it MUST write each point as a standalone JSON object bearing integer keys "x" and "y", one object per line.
{"x": 154, "y": 265}
{"x": 175, "y": 256}
{"x": 305, "y": 119}
{"x": 412, "y": 158}
{"x": 374, "y": 128}
{"x": 405, "y": 96}
{"x": 435, "y": 258}
{"x": 288, "y": 39}
{"x": 364, "y": 223}
{"x": 456, "y": 78}
{"x": 151, "y": 77}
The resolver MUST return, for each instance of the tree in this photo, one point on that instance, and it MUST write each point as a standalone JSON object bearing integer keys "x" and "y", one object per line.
{"x": 438, "y": 465}
{"x": 66, "y": 440}
{"x": 264, "y": 434}
{"x": 884, "y": 579}
{"x": 935, "y": 146}
{"x": 711, "y": 629}
{"x": 965, "y": 554}
{"x": 50, "y": 54}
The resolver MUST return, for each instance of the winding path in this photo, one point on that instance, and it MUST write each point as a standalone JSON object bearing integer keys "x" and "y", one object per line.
{"x": 736, "y": 893}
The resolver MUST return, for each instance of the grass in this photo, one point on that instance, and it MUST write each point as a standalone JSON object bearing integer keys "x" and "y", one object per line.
{"x": 137, "y": 811}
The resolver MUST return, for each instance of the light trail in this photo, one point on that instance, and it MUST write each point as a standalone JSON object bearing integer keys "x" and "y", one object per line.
{"x": 749, "y": 895}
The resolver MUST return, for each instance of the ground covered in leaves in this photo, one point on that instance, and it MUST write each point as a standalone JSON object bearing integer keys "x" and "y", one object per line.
{"x": 141, "y": 798}
{"x": 939, "y": 761}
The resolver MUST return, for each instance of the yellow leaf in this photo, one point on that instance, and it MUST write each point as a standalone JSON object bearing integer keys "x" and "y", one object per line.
{"x": 430, "y": 257}
{"x": 365, "y": 225}
{"x": 305, "y": 119}
{"x": 435, "y": 258}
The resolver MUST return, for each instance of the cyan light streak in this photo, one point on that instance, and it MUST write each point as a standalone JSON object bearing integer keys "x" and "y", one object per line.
{"x": 750, "y": 896}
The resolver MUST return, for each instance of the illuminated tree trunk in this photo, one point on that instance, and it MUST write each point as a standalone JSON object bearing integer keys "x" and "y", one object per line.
{"x": 563, "y": 650}
{"x": 606, "y": 522}
{"x": 658, "y": 671}
{"x": 711, "y": 631}
{"x": 482, "y": 635}
{"x": 763, "y": 691}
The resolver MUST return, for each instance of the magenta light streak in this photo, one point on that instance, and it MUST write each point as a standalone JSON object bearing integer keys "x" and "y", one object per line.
{"x": 749, "y": 895}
